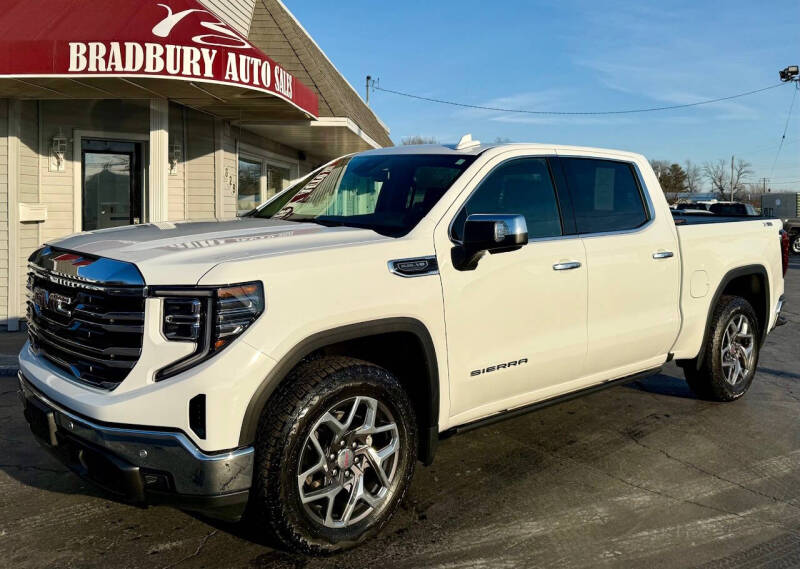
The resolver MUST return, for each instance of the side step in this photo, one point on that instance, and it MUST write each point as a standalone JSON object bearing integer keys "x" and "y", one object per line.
{"x": 517, "y": 411}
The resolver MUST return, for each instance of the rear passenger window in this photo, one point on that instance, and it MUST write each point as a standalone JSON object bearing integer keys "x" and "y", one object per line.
{"x": 521, "y": 187}
{"x": 605, "y": 195}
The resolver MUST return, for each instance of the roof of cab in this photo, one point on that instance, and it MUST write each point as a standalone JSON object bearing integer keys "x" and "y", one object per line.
{"x": 481, "y": 148}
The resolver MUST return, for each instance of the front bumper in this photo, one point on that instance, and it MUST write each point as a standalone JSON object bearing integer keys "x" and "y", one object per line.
{"x": 142, "y": 466}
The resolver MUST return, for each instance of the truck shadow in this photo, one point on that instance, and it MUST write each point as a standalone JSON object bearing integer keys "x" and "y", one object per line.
{"x": 25, "y": 460}
{"x": 663, "y": 384}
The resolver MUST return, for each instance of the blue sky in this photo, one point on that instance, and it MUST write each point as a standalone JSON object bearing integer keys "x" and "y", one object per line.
{"x": 578, "y": 55}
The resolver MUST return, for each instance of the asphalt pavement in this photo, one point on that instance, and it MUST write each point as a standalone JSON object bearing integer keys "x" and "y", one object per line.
{"x": 640, "y": 475}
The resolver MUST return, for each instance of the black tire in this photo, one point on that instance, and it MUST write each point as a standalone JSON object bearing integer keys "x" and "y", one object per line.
{"x": 708, "y": 380}
{"x": 795, "y": 245}
{"x": 306, "y": 395}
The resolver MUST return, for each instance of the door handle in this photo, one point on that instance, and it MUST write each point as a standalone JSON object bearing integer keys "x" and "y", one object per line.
{"x": 566, "y": 265}
{"x": 662, "y": 254}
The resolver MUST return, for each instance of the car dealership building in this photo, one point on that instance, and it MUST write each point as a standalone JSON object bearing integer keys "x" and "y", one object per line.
{"x": 157, "y": 111}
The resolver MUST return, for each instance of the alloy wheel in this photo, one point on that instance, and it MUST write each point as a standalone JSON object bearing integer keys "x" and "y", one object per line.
{"x": 348, "y": 462}
{"x": 738, "y": 345}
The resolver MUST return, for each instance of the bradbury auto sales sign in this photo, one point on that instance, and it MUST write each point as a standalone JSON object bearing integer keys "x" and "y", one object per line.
{"x": 133, "y": 38}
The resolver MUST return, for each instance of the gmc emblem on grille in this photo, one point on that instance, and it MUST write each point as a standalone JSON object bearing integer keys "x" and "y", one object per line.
{"x": 53, "y": 301}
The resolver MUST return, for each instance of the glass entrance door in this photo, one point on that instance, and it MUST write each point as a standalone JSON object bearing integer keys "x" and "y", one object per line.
{"x": 112, "y": 183}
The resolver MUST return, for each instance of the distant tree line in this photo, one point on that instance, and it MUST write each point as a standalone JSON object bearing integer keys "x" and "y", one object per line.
{"x": 728, "y": 183}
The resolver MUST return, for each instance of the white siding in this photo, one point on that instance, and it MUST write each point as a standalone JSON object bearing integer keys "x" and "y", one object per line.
{"x": 199, "y": 165}
{"x": 3, "y": 212}
{"x": 176, "y": 181}
{"x": 231, "y": 177}
{"x": 28, "y": 184}
{"x": 236, "y": 13}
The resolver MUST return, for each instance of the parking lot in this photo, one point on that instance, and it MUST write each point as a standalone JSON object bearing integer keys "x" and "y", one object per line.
{"x": 641, "y": 475}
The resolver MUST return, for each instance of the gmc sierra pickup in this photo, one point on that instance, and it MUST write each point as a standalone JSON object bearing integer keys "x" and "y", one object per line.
{"x": 292, "y": 366}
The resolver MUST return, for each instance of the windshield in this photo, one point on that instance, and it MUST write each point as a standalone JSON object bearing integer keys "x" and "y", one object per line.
{"x": 387, "y": 193}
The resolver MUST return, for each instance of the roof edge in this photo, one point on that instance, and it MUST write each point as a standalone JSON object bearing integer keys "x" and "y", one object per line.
{"x": 325, "y": 55}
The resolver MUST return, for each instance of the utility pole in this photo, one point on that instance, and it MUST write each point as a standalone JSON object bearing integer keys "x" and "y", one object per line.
{"x": 731, "y": 177}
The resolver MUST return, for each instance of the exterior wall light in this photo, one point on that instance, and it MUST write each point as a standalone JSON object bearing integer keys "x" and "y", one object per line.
{"x": 58, "y": 152}
{"x": 175, "y": 153}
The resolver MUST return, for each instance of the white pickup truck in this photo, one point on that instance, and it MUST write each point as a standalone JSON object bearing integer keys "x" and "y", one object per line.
{"x": 292, "y": 366}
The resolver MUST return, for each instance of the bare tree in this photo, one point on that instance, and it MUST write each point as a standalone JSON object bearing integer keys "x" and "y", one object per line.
{"x": 726, "y": 180}
{"x": 694, "y": 177}
{"x": 417, "y": 139}
{"x": 660, "y": 167}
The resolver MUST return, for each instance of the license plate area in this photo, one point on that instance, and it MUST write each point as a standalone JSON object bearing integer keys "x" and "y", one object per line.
{"x": 42, "y": 421}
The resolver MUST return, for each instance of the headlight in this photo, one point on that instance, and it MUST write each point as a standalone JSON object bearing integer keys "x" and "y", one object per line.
{"x": 210, "y": 317}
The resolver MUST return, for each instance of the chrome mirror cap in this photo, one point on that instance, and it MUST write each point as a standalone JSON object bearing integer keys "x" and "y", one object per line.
{"x": 492, "y": 232}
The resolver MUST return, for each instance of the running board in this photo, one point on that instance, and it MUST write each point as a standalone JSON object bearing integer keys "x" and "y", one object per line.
{"x": 517, "y": 411}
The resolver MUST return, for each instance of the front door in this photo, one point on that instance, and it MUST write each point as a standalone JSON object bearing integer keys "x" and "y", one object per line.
{"x": 516, "y": 325}
{"x": 112, "y": 183}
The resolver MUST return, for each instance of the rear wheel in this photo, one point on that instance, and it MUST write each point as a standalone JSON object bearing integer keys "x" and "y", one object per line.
{"x": 796, "y": 245}
{"x": 731, "y": 353}
{"x": 334, "y": 455}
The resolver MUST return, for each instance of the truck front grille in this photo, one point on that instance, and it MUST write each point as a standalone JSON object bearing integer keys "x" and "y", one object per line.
{"x": 86, "y": 315}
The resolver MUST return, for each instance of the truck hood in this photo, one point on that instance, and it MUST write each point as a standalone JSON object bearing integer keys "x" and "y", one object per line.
{"x": 182, "y": 252}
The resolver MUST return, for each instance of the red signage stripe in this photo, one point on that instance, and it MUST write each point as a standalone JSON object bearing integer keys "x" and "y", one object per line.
{"x": 135, "y": 38}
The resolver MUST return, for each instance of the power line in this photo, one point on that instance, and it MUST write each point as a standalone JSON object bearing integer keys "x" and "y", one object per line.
{"x": 531, "y": 112}
{"x": 785, "y": 128}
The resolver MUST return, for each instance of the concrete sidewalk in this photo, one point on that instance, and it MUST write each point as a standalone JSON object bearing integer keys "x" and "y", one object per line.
{"x": 10, "y": 345}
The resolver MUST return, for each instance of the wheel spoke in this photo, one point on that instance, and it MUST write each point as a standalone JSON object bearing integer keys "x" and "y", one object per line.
{"x": 329, "y": 492}
{"x": 388, "y": 450}
{"x": 332, "y": 422}
{"x": 744, "y": 327}
{"x": 737, "y": 371}
{"x": 301, "y": 478}
{"x": 377, "y": 465}
{"x": 352, "y": 414}
{"x": 356, "y": 492}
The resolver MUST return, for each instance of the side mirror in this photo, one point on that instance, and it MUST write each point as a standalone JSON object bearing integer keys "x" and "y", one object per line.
{"x": 495, "y": 233}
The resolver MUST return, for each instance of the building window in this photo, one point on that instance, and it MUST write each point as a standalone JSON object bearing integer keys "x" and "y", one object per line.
{"x": 250, "y": 192}
{"x": 278, "y": 178}
{"x": 260, "y": 178}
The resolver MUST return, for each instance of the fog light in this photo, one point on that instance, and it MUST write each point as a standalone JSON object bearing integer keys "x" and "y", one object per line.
{"x": 197, "y": 415}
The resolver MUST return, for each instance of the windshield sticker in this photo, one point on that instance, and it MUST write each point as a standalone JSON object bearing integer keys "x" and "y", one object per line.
{"x": 316, "y": 181}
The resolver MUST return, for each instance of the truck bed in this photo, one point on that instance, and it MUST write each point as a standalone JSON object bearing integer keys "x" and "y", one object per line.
{"x": 700, "y": 219}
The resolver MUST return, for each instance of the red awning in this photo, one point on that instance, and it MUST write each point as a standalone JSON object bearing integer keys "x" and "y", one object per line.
{"x": 134, "y": 39}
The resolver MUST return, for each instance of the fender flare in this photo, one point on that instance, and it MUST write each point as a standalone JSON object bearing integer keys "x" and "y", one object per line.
{"x": 747, "y": 270}
{"x": 429, "y": 423}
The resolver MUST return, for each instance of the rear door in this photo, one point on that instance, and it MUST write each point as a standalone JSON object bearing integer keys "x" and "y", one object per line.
{"x": 633, "y": 267}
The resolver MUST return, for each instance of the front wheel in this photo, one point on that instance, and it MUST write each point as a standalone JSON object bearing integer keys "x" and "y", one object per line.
{"x": 334, "y": 455}
{"x": 730, "y": 355}
{"x": 796, "y": 245}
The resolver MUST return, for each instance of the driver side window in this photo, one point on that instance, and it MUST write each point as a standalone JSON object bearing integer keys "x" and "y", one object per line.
{"x": 522, "y": 187}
